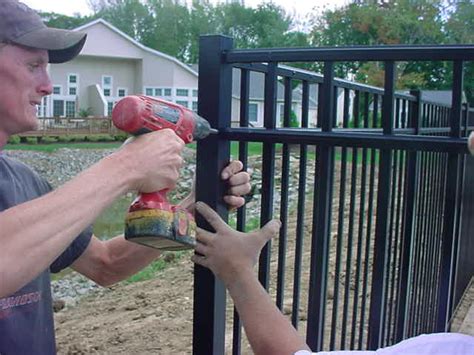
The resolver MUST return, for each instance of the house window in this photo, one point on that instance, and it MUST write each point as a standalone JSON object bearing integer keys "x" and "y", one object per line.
{"x": 43, "y": 107}
{"x": 182, "y": 103}
{"x": 182, "y": 92}
{"x": 195, "y": 93}
{"x": 70, "y": 108}
{"x": 106, "y": 92}
{"x": 253, "y": 113}
{"x": 121, "y": 92}
{"x": 149, "y": 91}
{"x": 167, "y": 92}
{"x": 110, "y": 107}
{"x": 57, "y": 90}
{"x": 72, "y": 84}
{"x": 195, "y": 106}
{"x": 106, "y": 81}
{"x": 158, "y": 92}
{"x": 58, "y": 108}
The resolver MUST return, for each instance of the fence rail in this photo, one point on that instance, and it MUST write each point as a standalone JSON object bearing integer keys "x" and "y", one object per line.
{"x": 367, "y": 256}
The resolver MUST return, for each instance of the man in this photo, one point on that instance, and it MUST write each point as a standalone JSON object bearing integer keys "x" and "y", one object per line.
{"x": 43, "y": 230}
{"x": 231, "y": 256}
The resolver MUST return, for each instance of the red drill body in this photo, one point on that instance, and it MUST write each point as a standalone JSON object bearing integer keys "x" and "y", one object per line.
{"x": 151, "y": 219}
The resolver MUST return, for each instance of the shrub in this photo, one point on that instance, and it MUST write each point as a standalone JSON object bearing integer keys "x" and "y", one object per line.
{"x": 121, "y": 137}
{"x": 31, "y": 140}
{"x": 47, "y": 140}
{"x": 100, "y": 138}
{"x": 64, "y": 139}
{"x": 77, "y": 138}
{"x": 14, "y": 140}
{"x": 85, "y": 112}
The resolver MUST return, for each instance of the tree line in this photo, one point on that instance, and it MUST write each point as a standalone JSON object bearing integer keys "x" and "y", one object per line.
{"x": 173, "y": 28}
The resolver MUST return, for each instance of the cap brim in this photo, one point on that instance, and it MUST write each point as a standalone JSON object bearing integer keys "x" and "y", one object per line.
{"x": 62, "y": 45}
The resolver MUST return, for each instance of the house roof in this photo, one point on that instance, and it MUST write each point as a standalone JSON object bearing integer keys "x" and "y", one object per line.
{"x": 257, "y": 87}
{"x": 443, "y": 97}
{"x": 136, "y": 43}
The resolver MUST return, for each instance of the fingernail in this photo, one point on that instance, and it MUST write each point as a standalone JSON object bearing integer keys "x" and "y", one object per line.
{"x": 225, "y": 175}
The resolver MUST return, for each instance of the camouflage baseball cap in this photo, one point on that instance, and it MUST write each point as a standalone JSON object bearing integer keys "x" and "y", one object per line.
{"x": 21, "y": 25}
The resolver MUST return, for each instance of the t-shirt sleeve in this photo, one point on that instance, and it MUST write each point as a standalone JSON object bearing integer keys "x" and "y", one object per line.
{"x": 72, "y": 252}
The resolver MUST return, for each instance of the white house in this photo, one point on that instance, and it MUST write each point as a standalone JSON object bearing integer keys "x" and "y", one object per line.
{"x": 113, "y": 65}
{"x": 110, "y": 66}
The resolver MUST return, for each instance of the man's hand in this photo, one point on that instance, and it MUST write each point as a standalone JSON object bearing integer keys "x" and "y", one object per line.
{"x": 153, "y": 160}
{"x": 227, "y": 252}
{"x": 239, "y": 184}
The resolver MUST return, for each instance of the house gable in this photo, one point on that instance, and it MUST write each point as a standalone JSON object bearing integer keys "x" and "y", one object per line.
{"x": 104, "y": 42}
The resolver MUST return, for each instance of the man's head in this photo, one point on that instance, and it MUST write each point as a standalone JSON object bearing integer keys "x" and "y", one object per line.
{"x": 22, "y": 26}
{"x": 26, "y": 47}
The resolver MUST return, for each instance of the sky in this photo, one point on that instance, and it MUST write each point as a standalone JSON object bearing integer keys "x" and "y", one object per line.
{"x": 69, "y": 7}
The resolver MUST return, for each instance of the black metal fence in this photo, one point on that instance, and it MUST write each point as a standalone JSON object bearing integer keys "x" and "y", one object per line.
{"x": 368, "y": 250}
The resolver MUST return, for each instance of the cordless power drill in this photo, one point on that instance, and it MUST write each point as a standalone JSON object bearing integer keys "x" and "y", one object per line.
{"x": 151, "y": 220}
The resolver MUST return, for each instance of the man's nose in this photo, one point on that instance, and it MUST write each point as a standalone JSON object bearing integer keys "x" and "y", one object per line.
{"x": 45, "y": 86}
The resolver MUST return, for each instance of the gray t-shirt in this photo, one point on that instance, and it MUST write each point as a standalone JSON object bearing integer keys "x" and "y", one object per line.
{"x": 26, "y": 317}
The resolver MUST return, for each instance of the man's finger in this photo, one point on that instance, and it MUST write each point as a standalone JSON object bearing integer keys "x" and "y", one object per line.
{"x": 203, "y": 236}
{"x": 201, "y": 248}
{"x": 269, "y": 230}
{"x": 239, "y": 178}
{"x": 240, "y": 190}
{"x": 234, "y": 202}
{"x": 200, "y": 260}
{"x": 234, "y": 167}
{"x": 211, "y": 216}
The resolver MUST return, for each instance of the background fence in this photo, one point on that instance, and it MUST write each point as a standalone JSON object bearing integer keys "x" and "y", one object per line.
{"x": 368, "y": 251}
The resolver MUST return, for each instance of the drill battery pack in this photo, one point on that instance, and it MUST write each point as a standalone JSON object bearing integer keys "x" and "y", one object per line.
{"x": 161, "y": 229}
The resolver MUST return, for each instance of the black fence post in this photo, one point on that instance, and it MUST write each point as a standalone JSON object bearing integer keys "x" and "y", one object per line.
{"x": 321, "y": 217}
{"x": 411, "y": 186}
{"x": 377, "y": 294}
{"x": 448, "y": 254}
{"x": 268, "y": 169}
{"x": 215, "y": 93}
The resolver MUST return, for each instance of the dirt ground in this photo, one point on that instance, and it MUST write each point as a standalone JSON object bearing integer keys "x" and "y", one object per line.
{"x": 150, "y": 317}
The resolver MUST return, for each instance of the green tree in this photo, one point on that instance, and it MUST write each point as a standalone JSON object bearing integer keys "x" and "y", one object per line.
{"x": 460, "y": 29}
{"x": 129, "y": 16}
{"x": 52, "y": 19}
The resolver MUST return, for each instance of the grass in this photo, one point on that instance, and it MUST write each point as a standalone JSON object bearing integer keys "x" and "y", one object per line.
{"x": 158, "y": 265}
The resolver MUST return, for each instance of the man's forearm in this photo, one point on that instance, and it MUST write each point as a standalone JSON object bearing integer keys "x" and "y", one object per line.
{"x": 111, "y": 261}
{"x": 36, "y": 232}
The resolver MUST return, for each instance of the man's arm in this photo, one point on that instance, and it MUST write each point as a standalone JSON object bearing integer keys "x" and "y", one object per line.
{"x": 107, "y": 262}
{"x": 231, "y": 256}
{"x": 35, "y": 233}
{"x": 111, "y": 261}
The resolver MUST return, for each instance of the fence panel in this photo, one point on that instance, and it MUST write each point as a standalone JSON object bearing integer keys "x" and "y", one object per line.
{"x": 366, "y": 181}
